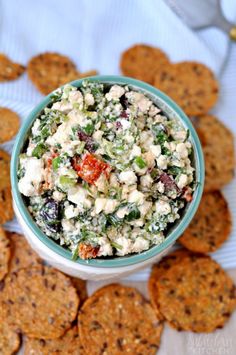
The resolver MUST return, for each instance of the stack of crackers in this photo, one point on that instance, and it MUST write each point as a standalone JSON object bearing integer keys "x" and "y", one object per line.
{"x": 50, "y": 312}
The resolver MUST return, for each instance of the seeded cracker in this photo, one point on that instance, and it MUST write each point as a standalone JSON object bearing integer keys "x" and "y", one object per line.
{"x": 9, "y": 124}
{"x": 4, "y": 253}
{"x": 142, "y": 61}
{"x": 69, "y": 343}
{"x": 8, "y": 69}
{"x": 158, "y": 270}
{"x": 81, "y": 288}
{"x": 4, "y": 169}
{"x": 210, "y": 226}
{"x": 6, "y": 209}
{"x": 22, "y": 255}
{"x": 218, "y": 148}
{"x": 41, "y": 302}
{"x": 48, "y": 71}
{"x": 196, "y": 294}
{"x": 117, "y": 319}
{"x": 192, "y": 85}
{"x": 9, "y": 339}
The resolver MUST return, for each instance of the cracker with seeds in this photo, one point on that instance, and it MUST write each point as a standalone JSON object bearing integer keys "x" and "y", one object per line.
{"x": 191, "y": 85}
{"x": 4, "y": 253}
{"x": 48, "y": 71}
{"x": 196, "y": 295}
{"x": 9, "y": 124}
{"x": 142, "y": 62}
{"x": 9, "y": 339}
{"x": 158, "y": 270}
{"x": 39, "y": 301}
{"x": 4, "y": 169}
{"x": 6, "y": 209}
{"x": 8, "y": 69}
{"x": 22, "y": 255}
{"x": 211, "y": 225}
{"x": 218, "y": 148}
{"x": 69, "y": 343}
{"x": 81, "y": 288}
{"x": 117, "y": 319}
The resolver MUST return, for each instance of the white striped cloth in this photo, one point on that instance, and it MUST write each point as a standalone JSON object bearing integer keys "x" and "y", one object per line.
{"x": 94, "y": 34}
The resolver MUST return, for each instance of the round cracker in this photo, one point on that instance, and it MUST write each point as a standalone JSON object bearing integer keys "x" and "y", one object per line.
{"x": 196, "y": 295}
{"x": 48, "y": 71}
{"x": 117, "y": 319}
{"x": 158, "y": 270}
{"x": 191, "y": 85}
{"x": 6, "y": 209}
{"x": 81, "y": 288}
{"x": 9, "y": 339}
{"x": 69, "y": 343}
{"x": 8, "y": 69}
{"x": 22, "y": 255}
{"x": 4, "y": 253}
{"x": 142, "y": 61}
{"x": 4, "y": 169}
{"x": 210, "y": 226}
{"x": 218, "y": 148}
{"x": 9, "y": 124}
{"x": 39, "y": 301}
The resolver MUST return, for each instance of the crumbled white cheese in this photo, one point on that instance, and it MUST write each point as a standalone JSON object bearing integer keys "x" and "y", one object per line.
{"x": 160, "y": 187}
{"x": 30, "y": 183}
{"x": 126, "y": 245}
{"x": 146, "y": 180}
{"x": 89, "y": 99}
{"x": 71, "y": 211}
{"x": 162, "y": 207}
{"x": 135, "y": 152}
{"x": 62, "y": 106}
{"x": 182, "y": 181}
{"x": 105, "y": 204}
{"x": 128, "y": 177}
{"x": 115, "y": 93}
{"x": 155, "y": 149}
{"x": 182, "y": 150}
{"x": 136, "y": 197}
{"x": 79, "y": 196}
{"x": 140, "y": 244}
{"x": 139, "y": 100}
{"x": 105, "y": 247}
{"x": 162, "y": 162}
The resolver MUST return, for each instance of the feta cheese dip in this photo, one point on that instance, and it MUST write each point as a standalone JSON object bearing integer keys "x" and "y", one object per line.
{"x": 104, "y": 171}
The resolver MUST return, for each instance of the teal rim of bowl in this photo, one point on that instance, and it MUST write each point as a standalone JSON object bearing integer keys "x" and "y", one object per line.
{"x": 117, "y": 261}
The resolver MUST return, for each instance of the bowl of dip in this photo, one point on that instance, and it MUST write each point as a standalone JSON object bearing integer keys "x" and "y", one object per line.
{"x": 107, "y": 172}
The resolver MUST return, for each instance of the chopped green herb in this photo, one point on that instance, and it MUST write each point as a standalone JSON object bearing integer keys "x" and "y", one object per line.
{"x": 39, "y": 150}
{"x": 140, "y": 162}
{"x": 56, "y": 163}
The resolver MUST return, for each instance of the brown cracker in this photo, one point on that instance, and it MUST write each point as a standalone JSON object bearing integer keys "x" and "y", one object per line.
{"x": 142, "y": 61}
{"x": 210, "y": 226}
{"x": 158, "y": 270}
{"x": 69, "y": 343}
{"x": 218, "y": 149}
{"x": 4, "y": 253}
{"x": 39, "y": 301}
{"x": 4, "y": 169}
{"x": 196, "y": 294}
{"x": 48, "y": 71}
{"x": 6, "y": 209}
{"x": 22, "y": 255}
{"x": 87, "y": 73}
{"x": 8, "y": 69}
{"x": 9, "y": 339}
{"x": 9, "y": 124}
{"x": 117, "y": 319}
{"x": 81, "y": 288}
{"x": 191, "y": 85}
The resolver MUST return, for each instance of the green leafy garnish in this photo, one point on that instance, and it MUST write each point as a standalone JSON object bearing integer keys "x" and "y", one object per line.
{"x": 140, "y": 162}
{"x": 133, "y": 214}
{"x": 67, "y": 181}
{"x": 116, "y": 245}
{"x": 39, "y": 150}
{"x": 56, "y": 163}
{"x": 175, "y": 170}
{"x": 89, "y": 129}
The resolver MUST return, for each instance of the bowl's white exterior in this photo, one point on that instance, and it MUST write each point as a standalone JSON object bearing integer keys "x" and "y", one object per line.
{"x": 75, "y": 269}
